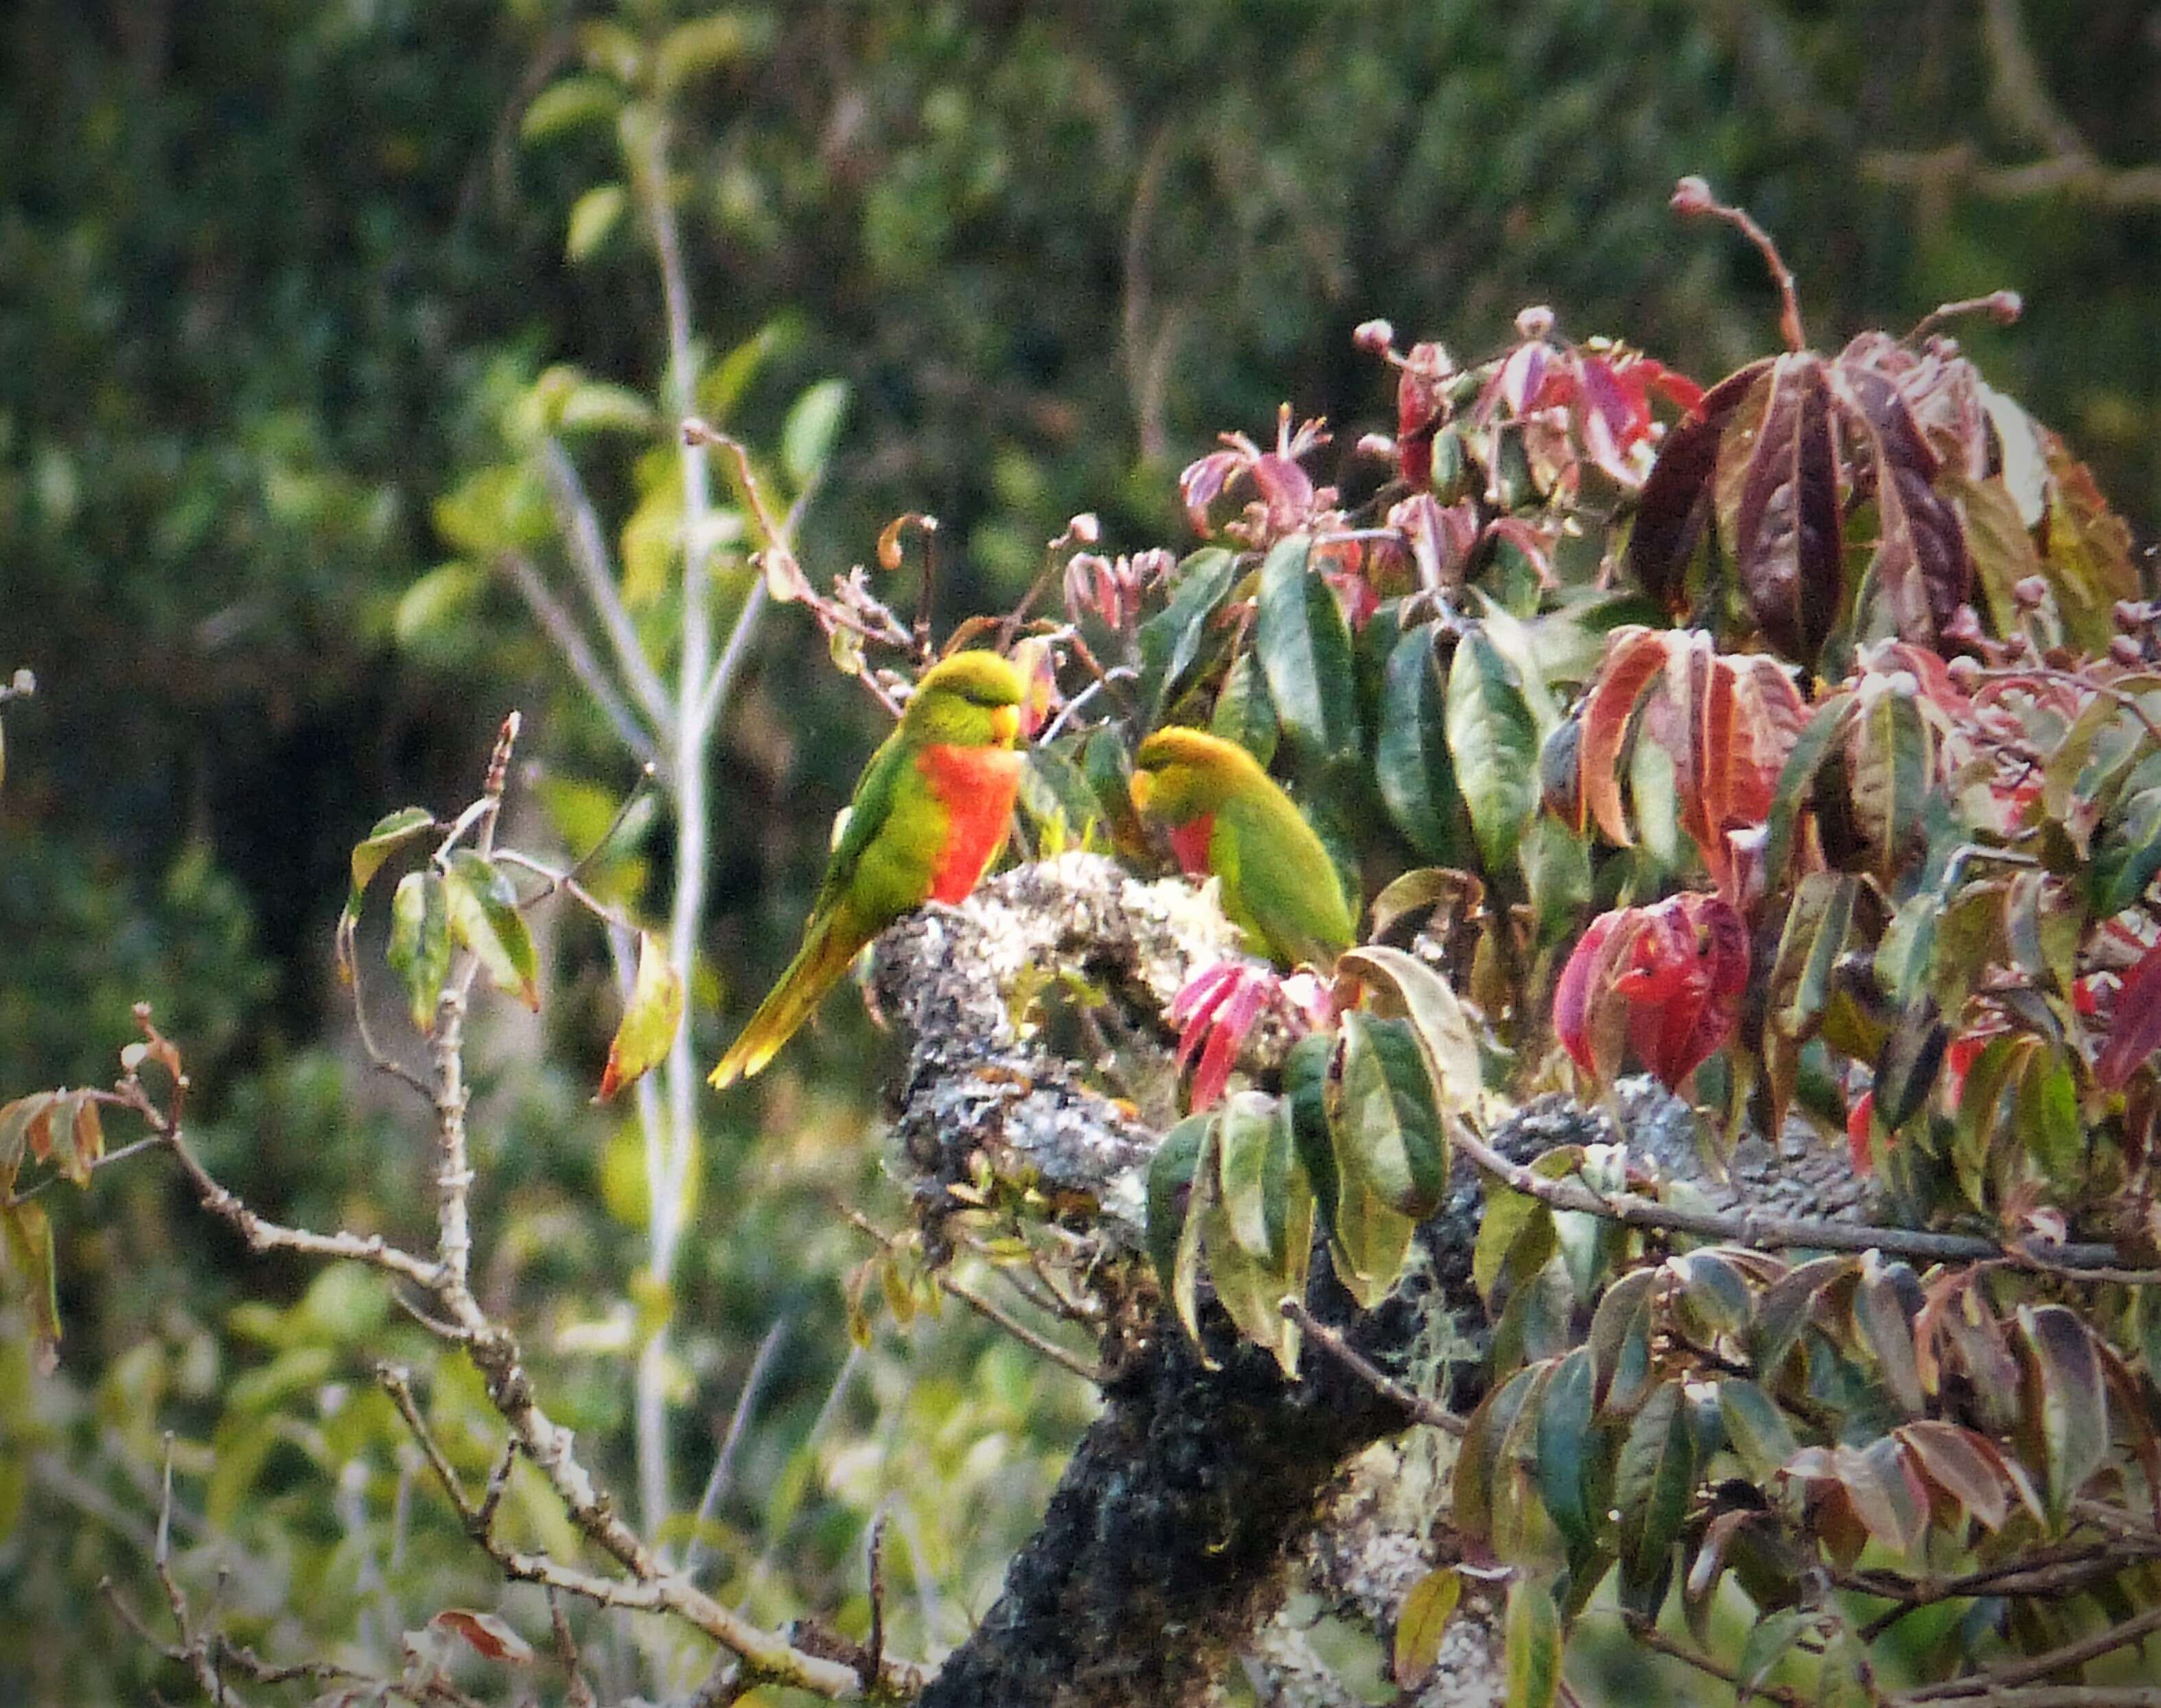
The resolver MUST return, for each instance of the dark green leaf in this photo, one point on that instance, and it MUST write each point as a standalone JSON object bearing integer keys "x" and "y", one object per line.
{"x": 1170, "y": 1177}
{"x": 1411, "y": 761}
{"x": 1243, "y": 711}
{"x": 1387, "y": 1131}
{"x": 1651, "y": 1485}
{"x": 1304, "y": 648}
{"x": 1494, "y": 742}
{"x": 1773, "y": 1637}
{"x": 1567, "y": 1444}
{"x": 2063, "y": 1401}
{"x": 1172, "y": 642}
{"x": 1755, "y": 1428}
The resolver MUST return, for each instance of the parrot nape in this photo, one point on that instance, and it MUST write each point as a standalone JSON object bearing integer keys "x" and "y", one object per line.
{"x": 929, "y": 814}
{"x": 1227, "y": 815}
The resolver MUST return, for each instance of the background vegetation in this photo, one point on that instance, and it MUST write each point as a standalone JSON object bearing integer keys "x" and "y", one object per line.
{"x": 288, "y": 286}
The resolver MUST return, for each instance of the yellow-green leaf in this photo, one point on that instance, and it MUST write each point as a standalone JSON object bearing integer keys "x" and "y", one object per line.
{"x": 1423, "y": 1621}
{"x": 484, "y": 918}
{"x": 650, "y": 1018}
{"x": 593, "y": 216}
{"x": 420, "y": 951}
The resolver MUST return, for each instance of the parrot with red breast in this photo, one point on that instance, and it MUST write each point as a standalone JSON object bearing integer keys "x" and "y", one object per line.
{"x": 928, "y": 816}
{"x": 1226, "y": 817}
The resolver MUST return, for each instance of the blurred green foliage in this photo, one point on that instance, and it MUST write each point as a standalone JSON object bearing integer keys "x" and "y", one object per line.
{"x": 281, "y": 286}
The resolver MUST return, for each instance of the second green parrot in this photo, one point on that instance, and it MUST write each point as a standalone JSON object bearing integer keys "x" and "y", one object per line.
{"x": 929, "y": 814}
{"x": 1226, "y": 816}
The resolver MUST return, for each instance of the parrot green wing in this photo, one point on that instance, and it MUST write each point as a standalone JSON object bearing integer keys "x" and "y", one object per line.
{"x": 1277, "y": 875}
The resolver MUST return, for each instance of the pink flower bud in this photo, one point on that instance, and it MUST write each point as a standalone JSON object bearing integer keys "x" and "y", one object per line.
{"x": 1534, "y": 322}
{"x": 1374, "y": 337}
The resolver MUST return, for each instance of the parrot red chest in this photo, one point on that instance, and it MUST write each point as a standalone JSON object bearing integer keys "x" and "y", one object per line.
{"x": 1189, "y": 841}
{"x": 977, "y": 786}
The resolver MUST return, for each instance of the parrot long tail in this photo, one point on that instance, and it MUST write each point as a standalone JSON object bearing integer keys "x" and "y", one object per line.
{"x": 828, "y": 946}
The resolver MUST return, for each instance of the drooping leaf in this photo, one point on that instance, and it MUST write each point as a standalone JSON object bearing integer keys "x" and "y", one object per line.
{"x": 1253, "y": 1167}
{"x": 1921, "y": 561}
{"x": 1172, "y": 640}
{"x": 1651, "y": 1483}
{"x": 420, "y": 949}
{"x": 1772, "y": 1639}
{"x": 1675, "y": 504}
{"x": 814, "y": 421}
{"x": 1790, "y": 797}
{"x": 1880, "y": 1314}
{"x": 1620, "y": 1342}
{"x": 1422, "y": 1622}
{"x": 1531, "y": 1640}
{"x": 28, "y": 1235}
{"x": 1388, "y": 1132}
{"x": 1170, "y": 1177}
{"x": 1965, "y": 1465}
{"x": 1494, "y": 742}
{"x": 1567, "y": 1446}
{"x": 1304, "y": 649}
{"x": 2137, "y": 1032}
{"x": 2063, "y": 1401}
{"x": 1754, "y": 1428}
{"x": 1411, "y": 763}
{"x": 484, "y": 918}
{"x": 1787, "y": 549}
{"x": 1634, "y": 659}
{"x": 2085, "y": 549}
{"x": 1887, "y": 774}
{"x": 1437, "y": 1019}
{"x": 1886, "y": 1492}
{"x": 1243, "y": 711}
{"x": 650, "y": 1018}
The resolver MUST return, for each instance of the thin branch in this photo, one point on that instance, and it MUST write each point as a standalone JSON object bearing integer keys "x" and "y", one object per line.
{"x": 1086, "y": 1369}
{"x": 1990, "y": 1682}
{"x": 1772, "y": 1233}
{"x": 562, "y": 628}
{"x": 589, "y": 556}
{"x": 1367, "y": 1370}
{"x": 724, "y": 1461}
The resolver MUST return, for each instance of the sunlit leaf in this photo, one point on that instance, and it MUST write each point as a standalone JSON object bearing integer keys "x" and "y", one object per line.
{"x": 1531, "y": 1629}
{"x": 1422, "y": 1622}
{"x": 650, "y": 1018}
{"x": 814, "y": 421}
{"x": 593, "y": 216}
{"x": 1494, "y": 742}
{"x": 29, "y": 1241}
{"x": 484, "y": 918}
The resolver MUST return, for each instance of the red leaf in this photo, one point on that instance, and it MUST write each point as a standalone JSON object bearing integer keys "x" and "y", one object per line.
{"x": 1787, "y": 545}
{"x": 1419, "y": 410}
{"x": 1676, "y": 498}
{"x": 1922, "y": 562}
{"x": 1670, "y": 976}
{"x": 2137, "y": 1033}
{"x": 1633, "y": 656}
{"x": 487, "y": 1635}
{"x": 1581, "y": 980}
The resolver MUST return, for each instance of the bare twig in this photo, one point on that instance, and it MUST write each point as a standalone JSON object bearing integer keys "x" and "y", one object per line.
{"x": 724, "y": 1461}
{"x": 1693, "y": 197}
{"x": 1086, "y": 1369}
{"x": 1367, "y": 1370}
{"x": 589, "y": 555}
{"x": 562, "y": 628}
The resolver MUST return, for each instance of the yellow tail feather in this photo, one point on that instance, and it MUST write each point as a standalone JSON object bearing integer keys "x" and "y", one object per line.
{"x": 825, "y": 956}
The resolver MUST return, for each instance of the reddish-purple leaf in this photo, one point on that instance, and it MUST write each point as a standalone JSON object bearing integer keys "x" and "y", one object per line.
{"x": 1633, "y": 657}
{"x": 2137, "y": 1023}
{"x": 1676, "y": 498}
{"x": 1787, "y": 546}
{"x": 1963, "y": 1464}
{"x": 1921, "y": 561}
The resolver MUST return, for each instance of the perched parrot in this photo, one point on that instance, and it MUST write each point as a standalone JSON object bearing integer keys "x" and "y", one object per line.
{"x": 1226, "y": 816}
{"x": 929, "y": 814}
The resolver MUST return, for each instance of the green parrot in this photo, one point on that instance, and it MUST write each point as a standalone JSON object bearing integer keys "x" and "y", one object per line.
{"x": 1226, "y": 816}
{"x": 930, "y": 812}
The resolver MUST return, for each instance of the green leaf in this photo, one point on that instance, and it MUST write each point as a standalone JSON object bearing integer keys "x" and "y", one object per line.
{"x": 1172, "y": 640}
{"x": 1387, "y": 1132}
{"x": 813, "y": 426}
{"x": 1304, "y": 649}
{"x": 1620, "y": 1342}
{"x": 650, "y": 1018}
{"x": 419, "y": 951}
{"x": 1515, "y": 1239}
{"x": 1411, "y": 763}
{"x": 1532, "y": 1639}
{"x": 1796, "y": 782}
{"x": 433, "y": 603}
{"x": 593, "y": 216}
{"x": 1755, "y": 1428}
{"x": 1477, "y": 1464}
{"x": 1494, "y": 743}
{"x": 1651, "y": 1483}
{"x": 1437, "y": 1019}
{"x": 1170, "y": 1174}
{"x": 1058, "y": 798}
{"x": 567, "y": 103}
{"x": 484, "y": 918}
{"x": 1422, "y": 1622}
{"x": 1887, "y": 773}
{"x": 1773, "y": 1637}
{"x": 1243, "y": 712}
{"x": 1567, "y": 1447}
{"x": 392, "y": 832}
{"x": 1305, "y": 1106}
{"x": 703, "y": 45}
{"x": 596, "y": 406}
{"x": 1254, "y": 1168}
{"x": 1252, "y": 1290}
{"x": 2129, "y": 857}
{"x": 29, "y": 1240}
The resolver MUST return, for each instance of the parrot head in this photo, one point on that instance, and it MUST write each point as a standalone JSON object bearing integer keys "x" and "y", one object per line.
{"x": 1181, "y": 774}
{"x": 971, "y": 699}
